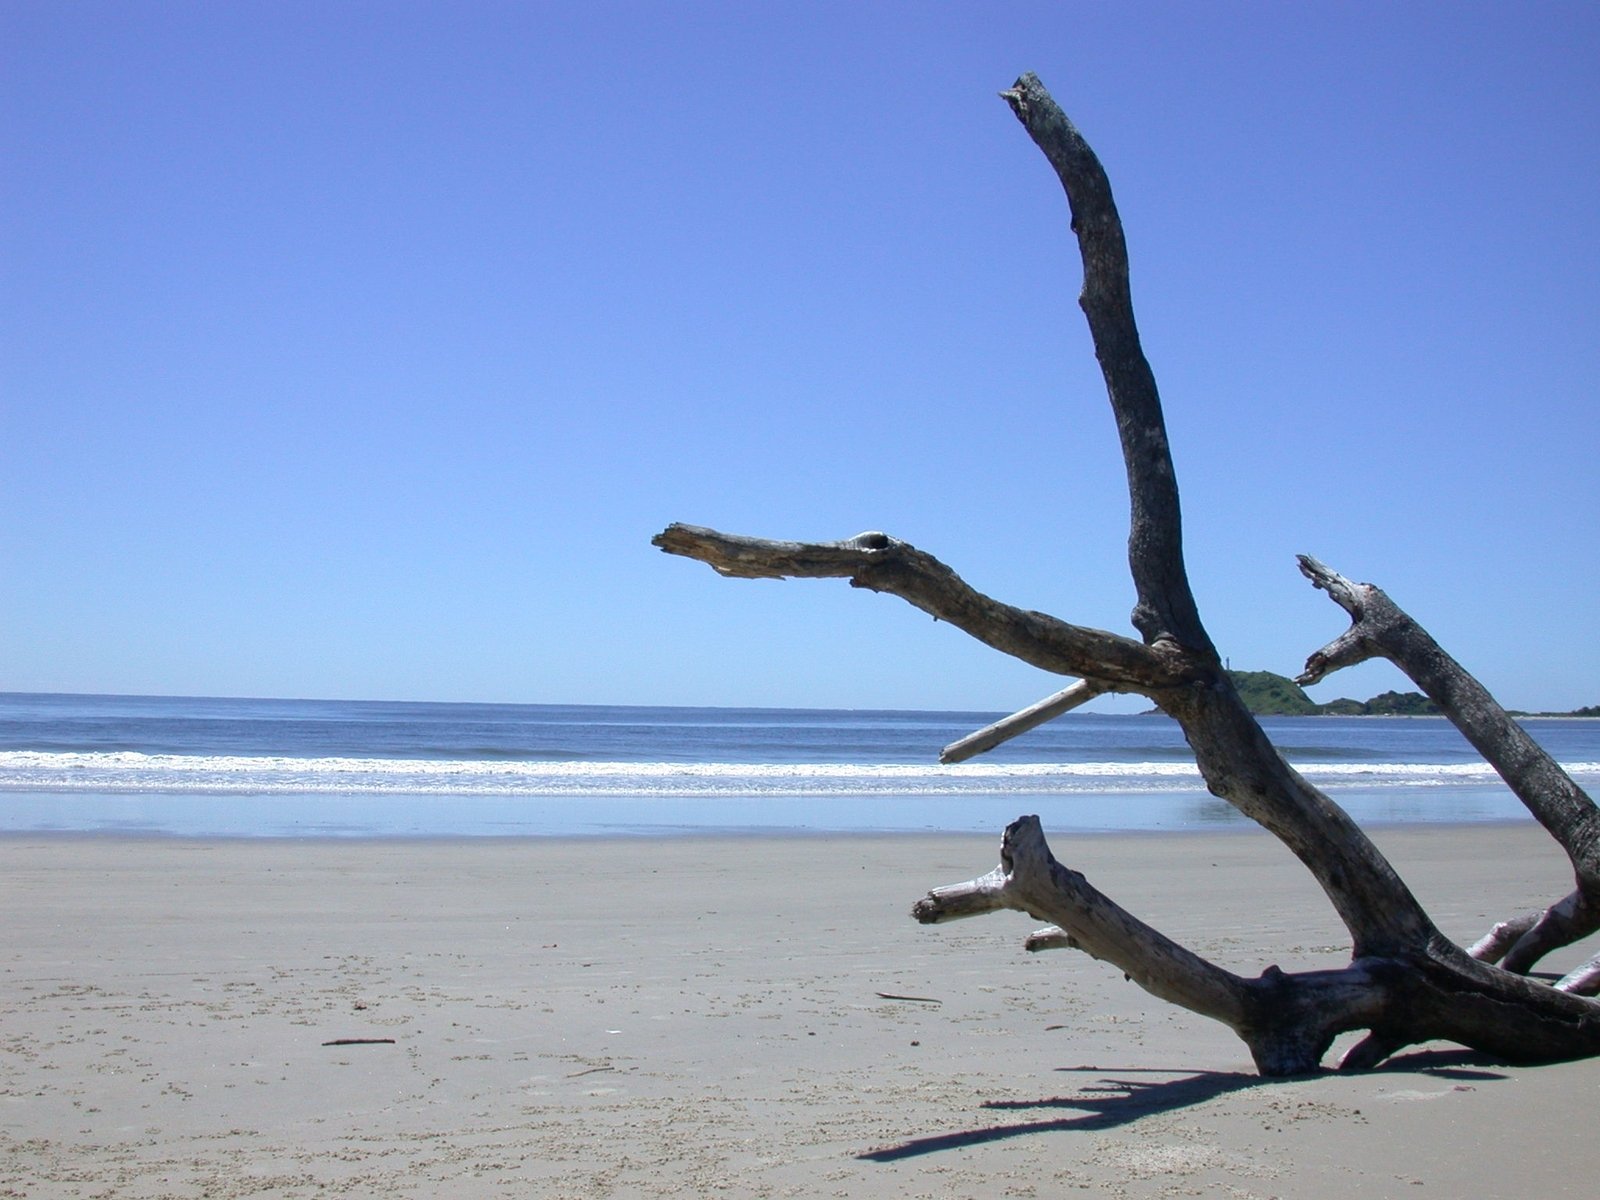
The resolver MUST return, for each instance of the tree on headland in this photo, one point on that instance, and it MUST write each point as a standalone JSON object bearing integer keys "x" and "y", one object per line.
{"x": 1271, "y": 695}
{"x": 1406, "y": 983}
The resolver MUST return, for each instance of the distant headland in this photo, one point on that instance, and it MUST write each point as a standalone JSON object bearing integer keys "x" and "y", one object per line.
{"x": 1270, "y": 695}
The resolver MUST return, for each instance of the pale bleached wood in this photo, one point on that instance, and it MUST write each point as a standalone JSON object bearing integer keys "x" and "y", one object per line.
{"x": 1584, "y": 981}
{"x": 1492, "y": 946}
{"x": 1020, "y": 722}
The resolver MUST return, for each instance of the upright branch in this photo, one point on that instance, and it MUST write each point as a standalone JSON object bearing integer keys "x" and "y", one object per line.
{"x": 1235, "y": 758}
{"x": 1380, "y": 628}
{"x": 1166, "y": 606}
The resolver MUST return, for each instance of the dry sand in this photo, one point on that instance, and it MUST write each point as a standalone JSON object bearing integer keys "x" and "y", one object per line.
{"x": 702, "y": 1017}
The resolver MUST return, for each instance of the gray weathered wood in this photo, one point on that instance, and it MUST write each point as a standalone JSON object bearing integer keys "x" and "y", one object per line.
{"x": 1381, "y": 628}
{"x": 880, "y": 563}
{"x": 1405, "y": 983}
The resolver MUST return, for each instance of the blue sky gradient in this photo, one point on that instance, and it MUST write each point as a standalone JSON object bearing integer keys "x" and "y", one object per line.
{"x": 358, "y": 349}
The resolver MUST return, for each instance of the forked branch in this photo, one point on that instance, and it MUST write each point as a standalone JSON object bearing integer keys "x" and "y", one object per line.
{"x": 1406, "y": 983}
{"x": 1379, "y": 628}
{"x": 1288, "y": 1020}
{"x": 1030, "y": 880}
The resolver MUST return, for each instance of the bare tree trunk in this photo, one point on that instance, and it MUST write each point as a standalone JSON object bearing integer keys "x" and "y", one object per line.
{"x": 1406, "y": 982}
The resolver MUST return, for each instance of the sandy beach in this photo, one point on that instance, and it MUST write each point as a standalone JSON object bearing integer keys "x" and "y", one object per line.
{"x": 741, "y": 1017}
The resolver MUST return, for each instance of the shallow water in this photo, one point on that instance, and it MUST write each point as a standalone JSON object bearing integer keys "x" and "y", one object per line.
{"x": 279, "y": 768}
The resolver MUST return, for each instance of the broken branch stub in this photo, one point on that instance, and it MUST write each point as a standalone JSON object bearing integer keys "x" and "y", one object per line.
{"x": 1018, "y": 723}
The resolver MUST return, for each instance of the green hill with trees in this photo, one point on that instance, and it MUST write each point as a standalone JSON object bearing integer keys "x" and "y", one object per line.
{"x": 1270, "y": 695}
{"x": 1267, "y": 694}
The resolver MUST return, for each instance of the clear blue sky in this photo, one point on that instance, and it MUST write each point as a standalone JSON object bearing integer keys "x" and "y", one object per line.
{"x": 359, "y": 349}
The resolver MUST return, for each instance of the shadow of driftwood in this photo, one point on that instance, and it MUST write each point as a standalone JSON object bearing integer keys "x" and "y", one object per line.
{"x": 1105, "y": 1105}
{"x": 1117, "y": 1100}
{"x": 1448, "y": 1064}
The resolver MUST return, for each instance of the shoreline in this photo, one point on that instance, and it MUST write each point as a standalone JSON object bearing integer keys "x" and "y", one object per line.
{"x": 1243, "y": 828}
{"x": 745, "y": 1016}
{"x": 364, "y": 816}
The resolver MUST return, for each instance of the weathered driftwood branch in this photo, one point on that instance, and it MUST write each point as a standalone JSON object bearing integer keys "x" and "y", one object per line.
{"x": 1165, "y": 607}
{"x": 1235, "y": 758}
{"x": 1406, "y": 983}
{"x": 1288, "y": 1020}
{"x": 1379, "y": 628}
{"x": 880, "y": 563}
{"x": 1018, "y": 723}
{"x": 1517, "y": 944}
{"x": 1030, "y": 880}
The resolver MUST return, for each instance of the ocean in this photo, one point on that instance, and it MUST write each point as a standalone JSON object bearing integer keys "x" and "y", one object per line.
{"x": 195, "y": 767}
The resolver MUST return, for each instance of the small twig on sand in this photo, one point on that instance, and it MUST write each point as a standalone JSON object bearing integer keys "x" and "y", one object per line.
{"x": 360, "y": 1042}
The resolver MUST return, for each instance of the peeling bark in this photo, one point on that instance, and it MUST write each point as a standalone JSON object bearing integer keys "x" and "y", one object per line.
{"x": 1405, "y": 982}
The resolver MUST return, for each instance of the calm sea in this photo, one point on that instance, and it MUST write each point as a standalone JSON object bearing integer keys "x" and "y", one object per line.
{"x": 314, "y": 768}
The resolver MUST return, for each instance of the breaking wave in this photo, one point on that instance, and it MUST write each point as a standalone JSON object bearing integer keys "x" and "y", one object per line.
{"x": 130, "y": 772}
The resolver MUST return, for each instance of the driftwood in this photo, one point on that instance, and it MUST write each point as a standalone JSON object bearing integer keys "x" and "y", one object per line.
{"x": 1379, "y": 628}
{"x": 361, "y": 1041}
{"x": 1019, "y": 723}
{"x": 1406, "y": 982}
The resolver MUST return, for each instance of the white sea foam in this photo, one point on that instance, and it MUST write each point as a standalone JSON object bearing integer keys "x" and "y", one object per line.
{"x": 126, "y": 772}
